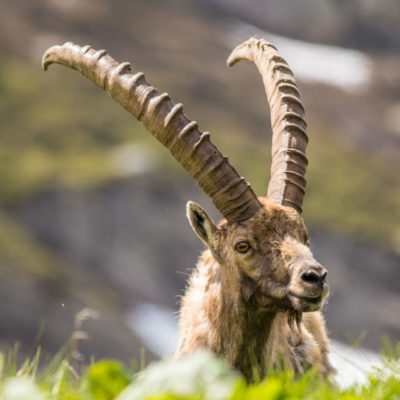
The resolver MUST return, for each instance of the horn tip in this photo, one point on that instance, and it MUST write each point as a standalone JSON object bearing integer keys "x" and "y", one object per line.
{"x": 232, "y": 60}
{"x": 47, "y": 58}
{"x": 50, "y": 55}
{"x": 240, "y": 52}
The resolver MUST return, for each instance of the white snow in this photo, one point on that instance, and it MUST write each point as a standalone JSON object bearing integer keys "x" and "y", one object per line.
{"x": 156, "y": 326}
{"x": 353, "y": 365}
{"x": 344, "y": 68}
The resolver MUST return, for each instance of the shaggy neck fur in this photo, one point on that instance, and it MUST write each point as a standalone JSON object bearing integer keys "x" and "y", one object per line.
{"x": 247, "y": 343}
{"x": 249, "y": 338}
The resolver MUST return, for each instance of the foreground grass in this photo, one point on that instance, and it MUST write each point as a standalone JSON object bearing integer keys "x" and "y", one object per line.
{"x": 201, "y": 376}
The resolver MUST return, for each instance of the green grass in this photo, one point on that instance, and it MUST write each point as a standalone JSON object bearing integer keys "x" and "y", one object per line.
{"x": 197, "y": 377}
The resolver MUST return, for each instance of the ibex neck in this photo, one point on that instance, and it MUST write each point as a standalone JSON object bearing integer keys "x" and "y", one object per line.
{"x": 245, "y": 330}
{"x": 224, "y": 322}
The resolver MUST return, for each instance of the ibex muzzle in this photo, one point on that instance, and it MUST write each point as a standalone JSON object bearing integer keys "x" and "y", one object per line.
{"x": 308, "y": 287}
{"x": 258, "y": 275}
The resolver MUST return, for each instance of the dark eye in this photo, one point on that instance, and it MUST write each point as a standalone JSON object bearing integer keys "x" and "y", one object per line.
{"x": 242, "y": 247}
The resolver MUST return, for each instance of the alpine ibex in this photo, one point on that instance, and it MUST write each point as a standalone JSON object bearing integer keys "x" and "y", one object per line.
{"x": 255, "y": 293}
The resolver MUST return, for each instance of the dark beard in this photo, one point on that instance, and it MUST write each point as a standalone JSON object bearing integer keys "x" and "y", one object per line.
{"x": 294, "y": 318}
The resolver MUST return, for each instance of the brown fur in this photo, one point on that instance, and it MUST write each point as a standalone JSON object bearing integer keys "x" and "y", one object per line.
{"x": 238, "y": 305}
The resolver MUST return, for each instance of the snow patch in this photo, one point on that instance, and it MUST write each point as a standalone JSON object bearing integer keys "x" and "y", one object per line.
{"x": 353, "y": 365}
{"x": 316, "y": 63}
{"x": 156, "y": 326}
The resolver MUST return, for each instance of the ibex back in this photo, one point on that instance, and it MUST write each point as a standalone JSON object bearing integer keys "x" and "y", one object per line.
{"x": 255, "y": 293}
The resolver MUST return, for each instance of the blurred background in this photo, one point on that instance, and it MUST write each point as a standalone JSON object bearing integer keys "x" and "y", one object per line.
{"x": 92, "y": 207}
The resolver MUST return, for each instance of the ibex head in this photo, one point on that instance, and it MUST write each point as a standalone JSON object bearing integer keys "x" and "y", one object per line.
{"x": 266, "y": 257}
{"x": 262, "y": 241}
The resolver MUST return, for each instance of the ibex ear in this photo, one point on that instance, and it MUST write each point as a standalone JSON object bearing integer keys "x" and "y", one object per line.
{"x": 202, "y": 224}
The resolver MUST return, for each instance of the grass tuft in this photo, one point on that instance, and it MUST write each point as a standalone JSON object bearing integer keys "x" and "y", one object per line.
{"x": 200, "y": 376}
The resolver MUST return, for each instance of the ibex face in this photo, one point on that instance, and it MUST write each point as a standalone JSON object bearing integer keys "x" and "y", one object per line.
{"x": 268, "y": 256}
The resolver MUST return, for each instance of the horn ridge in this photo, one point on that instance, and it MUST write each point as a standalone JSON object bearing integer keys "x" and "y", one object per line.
{"x": 168, "y": 123}
{"x": 289, "y": 136}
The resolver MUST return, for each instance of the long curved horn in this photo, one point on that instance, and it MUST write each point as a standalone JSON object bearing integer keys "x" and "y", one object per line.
{"x": 289, "y": 137}
{"x": 230, "y": 193}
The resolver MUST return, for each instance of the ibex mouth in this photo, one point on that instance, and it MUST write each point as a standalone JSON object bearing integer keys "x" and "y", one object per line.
{"x": 308, "y": 299}
{"x": 307, "y": 303}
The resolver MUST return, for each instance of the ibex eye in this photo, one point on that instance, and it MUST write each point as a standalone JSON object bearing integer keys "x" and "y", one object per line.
{"x": 242, "y": 247}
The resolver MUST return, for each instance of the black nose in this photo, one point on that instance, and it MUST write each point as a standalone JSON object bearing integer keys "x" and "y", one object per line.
{"x": 314, "y": 276}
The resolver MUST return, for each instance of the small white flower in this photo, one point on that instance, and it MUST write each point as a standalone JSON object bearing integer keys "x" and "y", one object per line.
{"x": 21, "y": 388}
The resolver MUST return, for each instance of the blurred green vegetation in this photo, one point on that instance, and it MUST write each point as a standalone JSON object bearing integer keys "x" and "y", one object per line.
{"x": 200, "y": 376}
{"x": 20, "y": 250}
{"x": 347, "y": 191}
{"x": 47, "y": 136}
{"x": 352, "y": 191}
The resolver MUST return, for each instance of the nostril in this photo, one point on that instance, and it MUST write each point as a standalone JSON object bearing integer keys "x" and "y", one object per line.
{"x": 311, "y": 276}
{"x": 323, "y": 277}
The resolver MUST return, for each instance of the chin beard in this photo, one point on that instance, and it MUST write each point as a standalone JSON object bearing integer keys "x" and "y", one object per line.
{"x": 294, "y": 321}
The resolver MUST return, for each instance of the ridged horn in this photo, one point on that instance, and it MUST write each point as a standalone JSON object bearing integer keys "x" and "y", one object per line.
{"x": 166, "y": 121}
{"x": 289, "y": 136}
